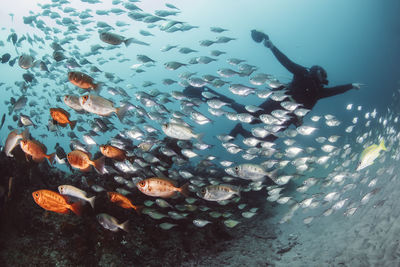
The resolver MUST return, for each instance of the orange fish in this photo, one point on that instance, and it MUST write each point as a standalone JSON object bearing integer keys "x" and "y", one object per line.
{"x": 113, "y": 152}
{"x": 62, "y": 117}
{"x": 123, "y": 201}
{"x": 159, "y": 187}
{"x": 53, "y": 201}
{"x": 81, "y": 160}
{"x": 83, "y": 81}
{"x": 36, "y": 150}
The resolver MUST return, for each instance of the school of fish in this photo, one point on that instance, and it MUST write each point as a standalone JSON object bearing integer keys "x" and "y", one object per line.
{"x": 155, "y": 140}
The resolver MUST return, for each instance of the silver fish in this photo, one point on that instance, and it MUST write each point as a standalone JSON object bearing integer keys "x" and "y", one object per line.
{"x": 111, "y": 223}
{"x": 13, "y": 140}
{"x": 219, "y": 192}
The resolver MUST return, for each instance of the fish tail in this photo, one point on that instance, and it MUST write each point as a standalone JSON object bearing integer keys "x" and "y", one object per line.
{"x": 121, "y": 111}
{"x": 51, "y": 157}
{"x": 98, "y": 164}
{"x": 127, "y": 42}
{"x": 382, "y": 145}
{"x": 184, "y": 189}
{"x": 91, "y": 201}
{"x": 125, "y": 226}
{"x": 72, "y": 124}
{"x": 76, "y": 208}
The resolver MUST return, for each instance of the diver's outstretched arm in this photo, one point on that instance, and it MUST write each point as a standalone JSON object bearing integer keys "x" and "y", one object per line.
{"x": 327, "y": 92}
{"x": 294, "y": 68}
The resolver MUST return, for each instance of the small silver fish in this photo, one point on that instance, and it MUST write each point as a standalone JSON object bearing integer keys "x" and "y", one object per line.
{"x": 111, "y": 223}
{"x": 13, "y": 140}
{"x": 179, "y": 131}
{"x": 219, "y": 192}
{"x": 200, "y": 223}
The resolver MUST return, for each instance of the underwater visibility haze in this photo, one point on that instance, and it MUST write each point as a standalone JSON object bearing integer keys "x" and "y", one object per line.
{"x": 199, "y": 133}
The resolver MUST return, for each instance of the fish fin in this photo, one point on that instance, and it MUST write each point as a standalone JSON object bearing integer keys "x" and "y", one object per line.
{"x": 382, "y": 145}
{"x": 63, "y": 124}
{"x": 51, "y": 157}
{"x": 91, "y": 201}
{"x": 129, "y": 41}
{"x": 121, "y": 111}
{"x": 138, "y": 209}
{"x": 184, "y": 189}
{"x": 98, "y": 164}
{"x": 72, "y": 124}
{"x": 76, "y": 208}
{"x": 125, "y": 226}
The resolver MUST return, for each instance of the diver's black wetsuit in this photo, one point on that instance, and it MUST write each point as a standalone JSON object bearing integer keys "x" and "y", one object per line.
{"x": 304, "y": 89}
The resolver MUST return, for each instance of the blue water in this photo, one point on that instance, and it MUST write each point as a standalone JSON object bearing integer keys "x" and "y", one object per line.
{"x": 355, "y": 42}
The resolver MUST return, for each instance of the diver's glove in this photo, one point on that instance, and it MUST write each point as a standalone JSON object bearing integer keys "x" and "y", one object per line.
{"x": 357, "y": 85}
{"x": 258, "y": 36}
{"x": 268, "y": 44}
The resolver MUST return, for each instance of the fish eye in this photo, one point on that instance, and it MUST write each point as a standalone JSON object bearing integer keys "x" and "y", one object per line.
{"x": 203, "y": 191}
{"x": 142, "y": 183}
{"x": 36, "y": 194}
{"x": 236, "y": 168}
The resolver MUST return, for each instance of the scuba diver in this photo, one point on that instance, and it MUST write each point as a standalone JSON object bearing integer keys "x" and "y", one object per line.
{"x": 306, "y": 88}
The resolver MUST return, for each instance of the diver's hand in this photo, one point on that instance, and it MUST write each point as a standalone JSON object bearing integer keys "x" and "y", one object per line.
{"x": 258, "y": 36}
{"x": 357, "y": 85}
{"x": 268, "y": 44}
